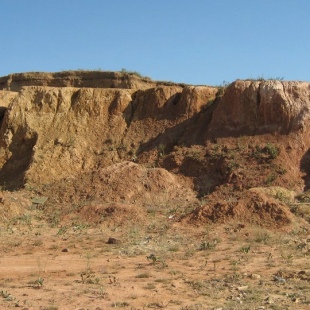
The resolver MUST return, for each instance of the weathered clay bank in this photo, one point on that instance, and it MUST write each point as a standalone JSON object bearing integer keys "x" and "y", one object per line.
{"x": 113, "y": 136}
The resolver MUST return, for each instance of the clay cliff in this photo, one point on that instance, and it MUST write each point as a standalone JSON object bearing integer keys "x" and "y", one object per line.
{"x": 110, "y": 136}
{"x": 258, "y": 107}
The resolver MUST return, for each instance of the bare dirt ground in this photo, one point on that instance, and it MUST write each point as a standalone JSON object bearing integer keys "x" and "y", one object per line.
{"x": 154, "y": 263}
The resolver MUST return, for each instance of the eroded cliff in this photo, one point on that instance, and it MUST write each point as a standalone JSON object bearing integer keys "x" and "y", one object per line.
{"x": 61, "y": 135}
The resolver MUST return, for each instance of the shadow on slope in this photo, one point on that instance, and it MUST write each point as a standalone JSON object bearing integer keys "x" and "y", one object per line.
{"x": 13, "y": 171}
{"x": 305, "y": 167}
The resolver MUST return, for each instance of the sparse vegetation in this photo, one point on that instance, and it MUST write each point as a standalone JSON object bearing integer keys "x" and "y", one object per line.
{"x": 208, "y": 245}
{"x": 136, "y": 73}
{"x": 99, "y": 277}
{"x": 262, "y": 78}
{"x": 262, "y": 236}
{"x": 268, "y": 152}
{"x": 245, "y": 249}
{"x": 144, "y": 275}
{"x": 37, "y": 283}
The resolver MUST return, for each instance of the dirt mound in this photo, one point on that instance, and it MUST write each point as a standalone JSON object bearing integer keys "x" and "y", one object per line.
{"x": 252, "y": 207}
{"x": 116, "y": 214}
{"x": 134, "y": 183}
{"x": 125, "y": 182}
{"x": 13, "y": 205}
{"x": 277, "y": 192}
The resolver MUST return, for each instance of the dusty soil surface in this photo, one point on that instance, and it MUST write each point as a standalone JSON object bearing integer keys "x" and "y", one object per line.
{"x": 153, "y": 262}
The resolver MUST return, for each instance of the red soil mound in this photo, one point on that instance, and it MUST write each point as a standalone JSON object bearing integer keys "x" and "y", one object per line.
{"x": 252, "y": 207}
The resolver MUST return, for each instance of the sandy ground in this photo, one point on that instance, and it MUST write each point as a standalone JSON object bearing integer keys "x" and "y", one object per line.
{"x": 159, "y": 264}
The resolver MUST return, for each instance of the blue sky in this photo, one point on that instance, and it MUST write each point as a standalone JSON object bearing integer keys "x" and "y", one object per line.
{"x": 190, "y": 41}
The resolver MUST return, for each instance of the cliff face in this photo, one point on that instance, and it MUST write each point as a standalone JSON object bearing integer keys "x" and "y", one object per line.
{"x": 50, "y": 135}
{"x": 258, "y": 107}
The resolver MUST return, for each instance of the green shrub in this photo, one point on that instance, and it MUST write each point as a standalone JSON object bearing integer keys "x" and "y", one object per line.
{"x": 272, "y": 151}
{"x": 268, "y": 152}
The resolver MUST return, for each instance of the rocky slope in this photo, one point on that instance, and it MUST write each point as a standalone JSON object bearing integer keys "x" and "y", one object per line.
{"x": 75, "y": 135}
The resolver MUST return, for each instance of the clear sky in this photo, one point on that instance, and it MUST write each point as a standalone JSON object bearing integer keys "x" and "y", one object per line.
{"x": 189, "y": 41}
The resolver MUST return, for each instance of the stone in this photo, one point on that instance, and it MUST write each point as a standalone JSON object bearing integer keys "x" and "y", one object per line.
{"x": 112, "y": 240}
{"x": 255, "y": 276}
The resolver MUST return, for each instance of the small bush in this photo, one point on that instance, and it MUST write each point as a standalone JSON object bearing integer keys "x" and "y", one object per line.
{"x": 272, "y": 151}
{"x": 208, "y": 245}
{"x": 143, "y": 275}
{"x": 262, "y": 237}
{"x": 269, "y": 152}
